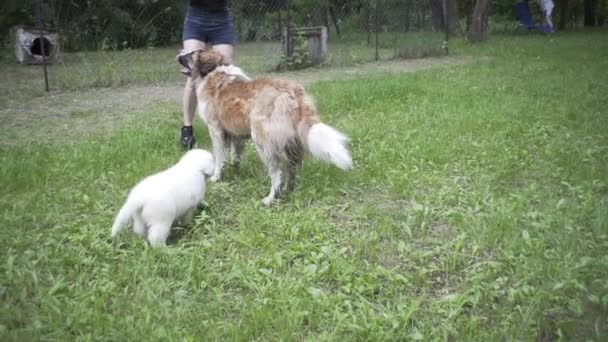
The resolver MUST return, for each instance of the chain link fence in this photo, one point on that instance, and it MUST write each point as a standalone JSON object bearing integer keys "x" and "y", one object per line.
{"x": 123, "y": 42}
{"x": 357, "y": 30}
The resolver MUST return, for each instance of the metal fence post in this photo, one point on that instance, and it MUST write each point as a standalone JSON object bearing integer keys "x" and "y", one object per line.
{"x": 287, "y": 30}
{"x": 42, "y": 47}
{"x": 377, "y": 27}
{"x": 446, "y": 11}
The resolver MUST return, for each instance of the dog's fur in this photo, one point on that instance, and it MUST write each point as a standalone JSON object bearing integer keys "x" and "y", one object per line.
{"x": 278, "y": 115}
{"x": 159, "y": 200}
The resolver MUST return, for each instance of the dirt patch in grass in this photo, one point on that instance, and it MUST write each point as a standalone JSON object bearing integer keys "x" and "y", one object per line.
{"x": 60, "y": 117}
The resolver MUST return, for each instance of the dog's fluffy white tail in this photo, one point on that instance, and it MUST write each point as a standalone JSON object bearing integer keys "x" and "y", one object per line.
{"x": 124, "y": 215}
{"x": 328, "y": 144}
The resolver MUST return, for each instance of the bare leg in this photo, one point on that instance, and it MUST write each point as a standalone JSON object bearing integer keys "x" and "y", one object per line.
{"x": 226, "y": 50}
{"x": 188, "y": 102}
{"x": 189, "y": 98}
{"x": 549, "y": 21}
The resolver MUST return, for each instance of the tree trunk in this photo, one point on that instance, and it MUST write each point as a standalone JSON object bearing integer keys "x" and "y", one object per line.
{"x": 589, "y": 19}
{"x": 334, "y": 17}
{"x": 405, "y": 11}
{"x": 437, "y": 17}
{"x": 453, "y": 21}
{"x": 479, "y": 21}
{"x": 318, "y": 16}
{"x": 601, "y": 17}
{"x": 468, "y": 9}
{"x": 564, "y": 13}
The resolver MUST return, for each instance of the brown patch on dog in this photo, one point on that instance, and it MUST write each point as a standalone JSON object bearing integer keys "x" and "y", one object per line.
{"x": 235, "y": 99}
{"x": 202, "y": 62}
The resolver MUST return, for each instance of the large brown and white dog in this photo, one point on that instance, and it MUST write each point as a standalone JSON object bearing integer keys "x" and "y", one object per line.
{"x": 277, "y": 114}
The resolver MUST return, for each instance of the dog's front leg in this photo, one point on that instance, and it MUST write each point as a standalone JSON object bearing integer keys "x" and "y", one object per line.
{"x": 188, "y": 217}
{"x": 219, "y": 150}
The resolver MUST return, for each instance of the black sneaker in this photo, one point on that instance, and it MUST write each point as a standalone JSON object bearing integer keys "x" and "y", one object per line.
{"x": 187, "y": 140}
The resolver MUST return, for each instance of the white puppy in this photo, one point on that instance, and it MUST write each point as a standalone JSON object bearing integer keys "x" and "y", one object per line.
{"x": 159, "y": 200}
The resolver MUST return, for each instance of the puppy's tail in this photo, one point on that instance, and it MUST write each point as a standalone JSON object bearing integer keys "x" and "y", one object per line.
{"x": 328, "y": 144}
{"x": 125, "y": 214}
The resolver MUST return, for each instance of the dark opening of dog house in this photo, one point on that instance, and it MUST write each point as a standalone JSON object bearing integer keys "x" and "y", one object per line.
{"x": 41, "y": 46}
{"x": 30, "y": 45}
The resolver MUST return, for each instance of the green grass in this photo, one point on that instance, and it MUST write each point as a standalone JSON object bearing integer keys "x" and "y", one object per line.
{"x": 477, "y": 210}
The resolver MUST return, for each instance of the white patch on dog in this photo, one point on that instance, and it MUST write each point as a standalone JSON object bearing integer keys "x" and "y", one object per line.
{"x": 159, "y": 200}
{"x": 232, "y": 70}
{"x": 328, "y": 144}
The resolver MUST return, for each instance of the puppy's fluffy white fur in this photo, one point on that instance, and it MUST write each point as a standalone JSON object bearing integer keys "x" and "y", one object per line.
{"x": 159, "y": 200}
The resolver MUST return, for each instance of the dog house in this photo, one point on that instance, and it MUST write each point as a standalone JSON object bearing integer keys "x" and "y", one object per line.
{"x": 29, "y": 45}
{"x": 316, "y": 38}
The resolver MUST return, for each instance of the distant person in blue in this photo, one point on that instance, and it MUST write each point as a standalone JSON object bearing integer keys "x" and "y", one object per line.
{"x": 207, "y": 22}
{"x": 547, "y": 8}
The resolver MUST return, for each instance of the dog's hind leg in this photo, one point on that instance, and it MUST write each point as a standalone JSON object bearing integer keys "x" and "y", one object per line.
{"x": 237, "y": 146}
{"x": 139, "y": 226}
{"x": 290, "y": 176}
{"x": 294, "y": 153}
{"x": 273, "y": 165}
{"x": 158, "y": 233}
{"x": 275, "y": 172}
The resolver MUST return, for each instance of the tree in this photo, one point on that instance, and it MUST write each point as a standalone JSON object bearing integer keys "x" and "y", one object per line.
{"x": 601, "y": 15}
{"x": 437, "y": 16}
{"x": 453, "y": 19}
{"x": 563, "y": 14}
{"x": 590, "y": 10}
{"x": 479, "y": 21}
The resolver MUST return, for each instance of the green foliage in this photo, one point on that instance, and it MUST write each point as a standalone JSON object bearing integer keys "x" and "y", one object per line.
{"x": 300, "y": 57}
{"x": 117, "y": 24}
{"x": 106, "y": 24}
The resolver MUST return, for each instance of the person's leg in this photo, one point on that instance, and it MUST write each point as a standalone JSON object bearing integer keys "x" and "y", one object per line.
{"x": 548, "y": 18}
{"x": 221, "y": 35}
{"x": 189, "y": 99}
{"x": 200, "y": 27}
{"x": 226, "y": 50}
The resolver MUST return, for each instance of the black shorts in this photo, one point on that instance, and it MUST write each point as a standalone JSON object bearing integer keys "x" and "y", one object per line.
{"x": 209, "y": 27}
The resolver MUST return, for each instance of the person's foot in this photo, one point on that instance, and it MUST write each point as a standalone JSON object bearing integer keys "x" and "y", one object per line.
{"x": 187, "y": 140}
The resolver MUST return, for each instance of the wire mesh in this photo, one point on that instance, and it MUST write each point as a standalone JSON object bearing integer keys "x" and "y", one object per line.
{"x": 118, "y": 42}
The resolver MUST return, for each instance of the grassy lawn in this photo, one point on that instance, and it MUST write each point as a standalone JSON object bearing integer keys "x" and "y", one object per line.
{"x": 477, "y": 210}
